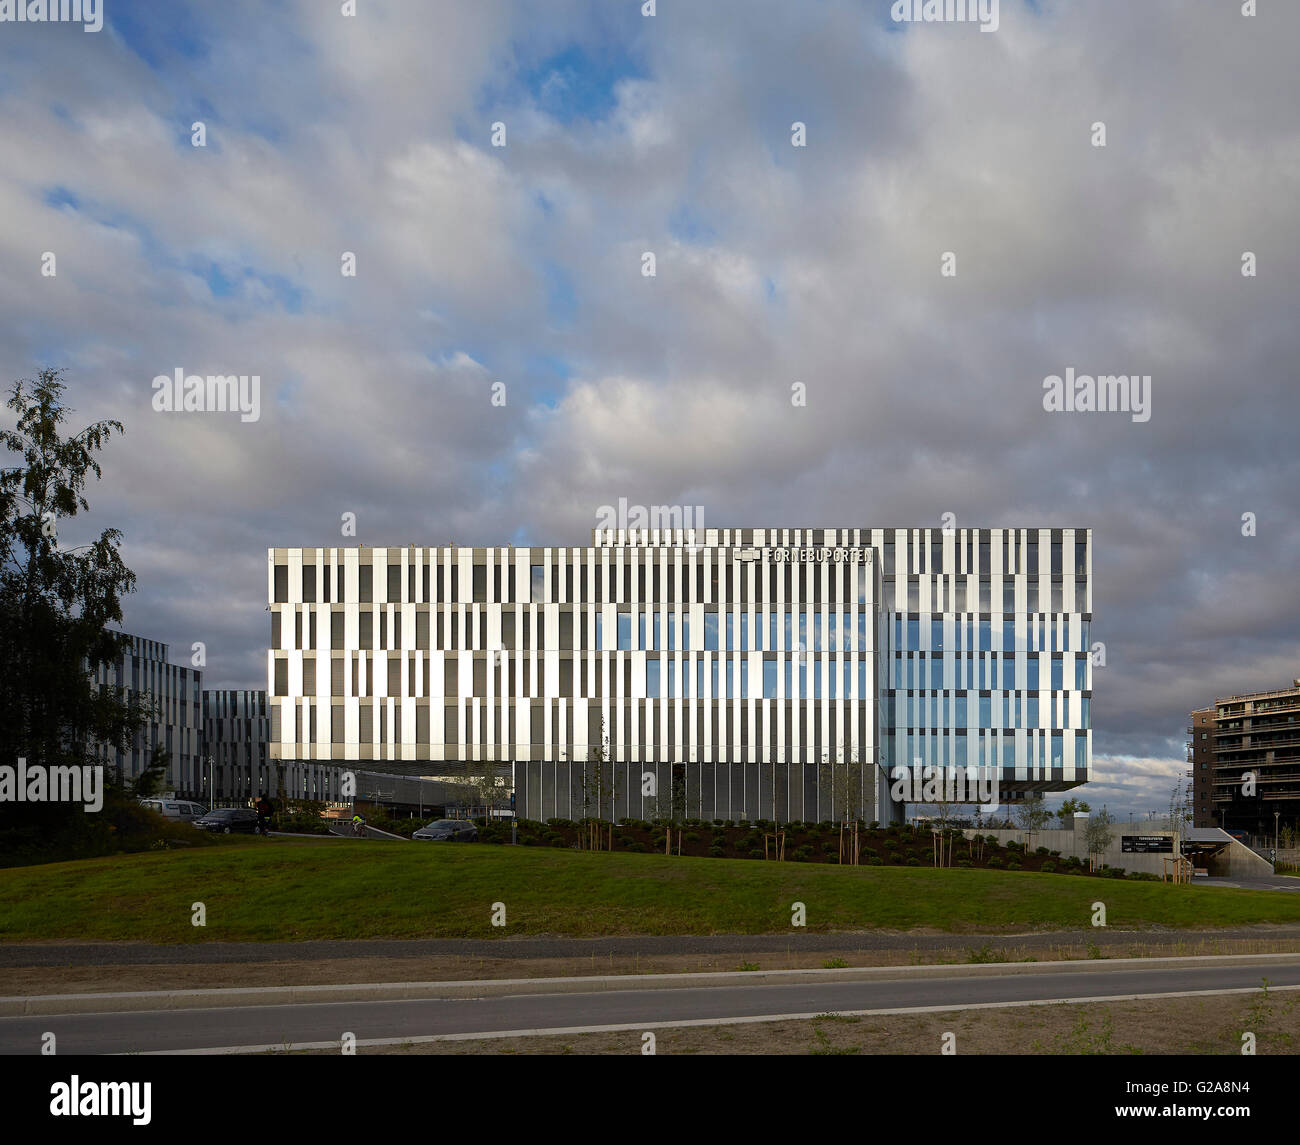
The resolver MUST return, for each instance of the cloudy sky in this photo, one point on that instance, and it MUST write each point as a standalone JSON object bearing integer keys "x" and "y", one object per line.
{"x": 775, "y": 264}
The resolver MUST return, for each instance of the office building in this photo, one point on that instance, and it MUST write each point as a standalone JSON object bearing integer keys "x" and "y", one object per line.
{"x": 236, "y": 732}
{"x": 172, "y": 693}
{"x": 722, "y": 673}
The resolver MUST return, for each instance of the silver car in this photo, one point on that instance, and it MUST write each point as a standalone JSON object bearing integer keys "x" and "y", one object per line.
{"x": 448, "y": 830}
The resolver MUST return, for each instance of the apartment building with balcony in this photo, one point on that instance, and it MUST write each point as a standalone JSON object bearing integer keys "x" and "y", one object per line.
{"x": 1255, "y": 765}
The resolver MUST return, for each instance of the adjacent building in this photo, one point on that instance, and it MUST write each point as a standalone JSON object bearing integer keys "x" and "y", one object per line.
{"x": 1254, "y": 760}
{"x": 1200, "y": 758}
{"x": 728, "y": 673}
{"x": 173, "y": 695}
{"x": 236, "y": 733}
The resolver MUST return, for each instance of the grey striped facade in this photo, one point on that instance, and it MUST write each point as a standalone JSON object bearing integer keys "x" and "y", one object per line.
{"x": 174, "y": 695}
{"x": 236, "y": 731}
{"x": 736, "y": 669}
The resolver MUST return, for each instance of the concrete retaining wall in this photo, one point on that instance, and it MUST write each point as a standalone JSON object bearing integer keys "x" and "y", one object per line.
{"x": 1234, "y": 862}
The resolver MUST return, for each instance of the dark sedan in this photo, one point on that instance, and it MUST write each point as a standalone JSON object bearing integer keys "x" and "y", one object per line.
{"x": 448, "y": 830}
{"x": 228, "y": 819}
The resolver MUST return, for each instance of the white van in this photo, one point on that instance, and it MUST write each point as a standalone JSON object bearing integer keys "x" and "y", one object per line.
{"x": 175, "y": 809}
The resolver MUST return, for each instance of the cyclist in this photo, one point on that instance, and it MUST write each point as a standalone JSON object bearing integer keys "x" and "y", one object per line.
{"x": 263, "y": 814}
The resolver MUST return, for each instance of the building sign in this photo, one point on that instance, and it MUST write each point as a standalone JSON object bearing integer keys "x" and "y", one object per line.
{"x": 819, "y": 554}
{"x": 1146, "y": 844}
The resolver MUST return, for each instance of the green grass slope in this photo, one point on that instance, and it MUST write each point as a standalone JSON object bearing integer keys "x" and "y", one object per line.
{"x": 291, "y": 890}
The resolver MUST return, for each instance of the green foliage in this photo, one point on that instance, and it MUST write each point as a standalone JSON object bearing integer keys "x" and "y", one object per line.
{"x": 56, "y": 604}
{"x": 1084, "y": 1040}
{"x": 303, "y": 817}
{"x": 1067, "y": 809}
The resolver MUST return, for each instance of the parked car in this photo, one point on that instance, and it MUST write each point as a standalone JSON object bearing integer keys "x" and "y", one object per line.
{"x": 175, "y": 809}
{"x": 228, "y": 819}
{"x": 448, "y": 830}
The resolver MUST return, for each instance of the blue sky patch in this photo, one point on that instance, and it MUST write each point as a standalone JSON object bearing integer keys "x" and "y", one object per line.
{"x": 573, "y": 85}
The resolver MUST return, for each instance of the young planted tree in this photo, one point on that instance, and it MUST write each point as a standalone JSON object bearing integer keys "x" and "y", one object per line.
{"x": 491, "y": 790}
{"x": 1098, "y": 837}
{"x": 844, "y": 783}
{"x": 1180, "y": 815}
{"x": 942, "y": 840}
{"x": 56, "y": 604}
{"x": 1032, "y": 816}
{"x": 597, "y": 793}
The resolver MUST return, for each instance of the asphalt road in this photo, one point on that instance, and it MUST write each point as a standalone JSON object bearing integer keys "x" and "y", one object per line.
{"x": 297, "y": 1024}
{"x": 144, "y": 954}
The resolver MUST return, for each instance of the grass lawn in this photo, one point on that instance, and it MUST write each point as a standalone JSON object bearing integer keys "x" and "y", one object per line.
{"x": 258, "y": 889}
